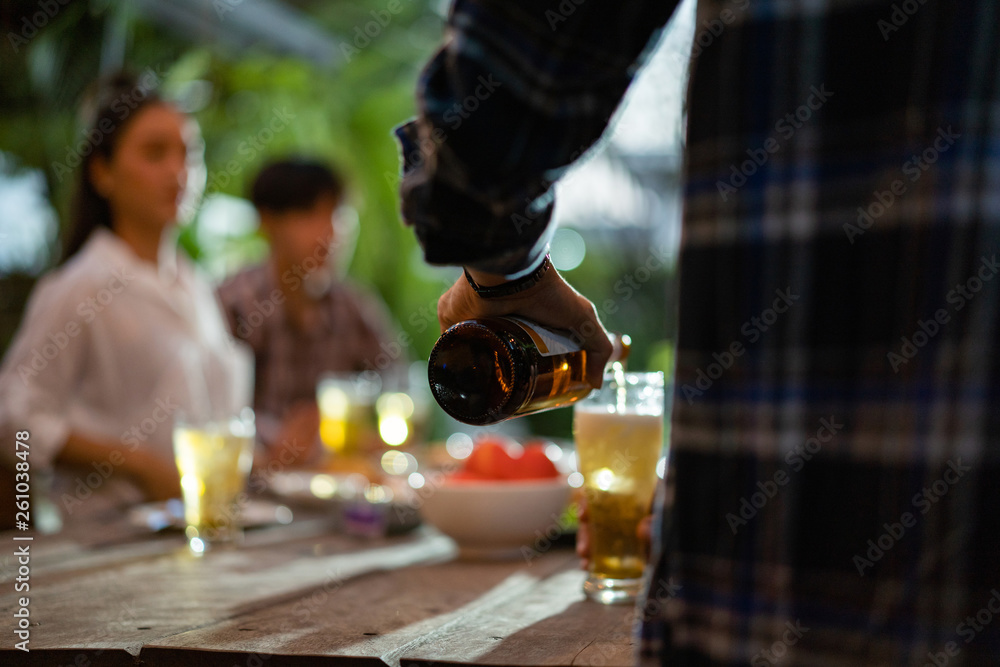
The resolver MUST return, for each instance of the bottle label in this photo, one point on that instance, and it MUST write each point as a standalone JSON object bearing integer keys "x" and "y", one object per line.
{"x": 548, "y": 342}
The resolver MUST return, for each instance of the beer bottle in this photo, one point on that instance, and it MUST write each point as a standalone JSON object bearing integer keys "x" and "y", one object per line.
{"x": 487, "y": 370}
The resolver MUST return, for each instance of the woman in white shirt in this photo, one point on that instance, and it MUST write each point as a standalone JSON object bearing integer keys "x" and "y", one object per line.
{"x": 114, "y": 339}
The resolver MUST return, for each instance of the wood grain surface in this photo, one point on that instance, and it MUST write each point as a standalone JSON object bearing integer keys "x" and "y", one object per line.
{"x": 302, "y": 595}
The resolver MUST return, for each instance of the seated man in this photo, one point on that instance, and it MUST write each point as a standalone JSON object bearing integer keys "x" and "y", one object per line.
{"x": 299, "y": 319}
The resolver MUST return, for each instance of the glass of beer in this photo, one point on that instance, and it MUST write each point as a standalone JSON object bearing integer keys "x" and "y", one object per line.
{"x": 346, "y": 409}
{"x": 618, "y": 431}
{"x": 214, "y": 458}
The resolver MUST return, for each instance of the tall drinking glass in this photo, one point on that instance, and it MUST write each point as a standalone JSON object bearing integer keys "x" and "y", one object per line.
{"x": 214, "y": 460}
{"x": 347, "y": 408}
{"x": 213, "y": 438}
{"x": 403, "y": 408}
{"x": 618, "y": 431}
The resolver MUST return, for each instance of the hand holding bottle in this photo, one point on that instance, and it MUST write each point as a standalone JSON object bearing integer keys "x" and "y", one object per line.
{"x": 552, "y": 302}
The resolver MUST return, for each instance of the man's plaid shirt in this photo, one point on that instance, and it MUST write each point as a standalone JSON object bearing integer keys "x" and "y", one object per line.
{"x": 833, "y": 488}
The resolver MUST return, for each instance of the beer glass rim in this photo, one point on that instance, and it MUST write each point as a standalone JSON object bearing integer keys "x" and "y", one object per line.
{"x": 240, "y": 422}
{"x": 363, "y": 384}
{"x": 645, "y": 378}
{"x": 628, "y": 390}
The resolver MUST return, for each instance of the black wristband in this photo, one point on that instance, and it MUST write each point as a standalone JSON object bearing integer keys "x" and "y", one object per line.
{"x": 512, "y": 287}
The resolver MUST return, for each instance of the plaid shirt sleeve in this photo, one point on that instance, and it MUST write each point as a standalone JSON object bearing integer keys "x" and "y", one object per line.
{"x": 519, "y": 90}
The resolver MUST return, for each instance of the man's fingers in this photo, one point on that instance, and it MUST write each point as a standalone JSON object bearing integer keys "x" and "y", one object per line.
{"x": 583, "y": 534}
{"x": 586, "y": 324}
{"x": 455, "y": 305}
{"x": 583, "y": 545}
{"x": 645, "y": 528}
{"x": 599, "y": 351}
{"x": 583, "y": 541}
{"x": 645, "y": 531}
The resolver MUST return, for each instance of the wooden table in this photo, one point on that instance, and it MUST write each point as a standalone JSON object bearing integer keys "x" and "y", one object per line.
{"x": 301, "y": 594}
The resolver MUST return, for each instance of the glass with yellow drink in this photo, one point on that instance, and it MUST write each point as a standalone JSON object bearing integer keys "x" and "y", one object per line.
{"x": 346, "y": 410}
{"x": 214, "y": 460}
{"x": 618, "y": 431}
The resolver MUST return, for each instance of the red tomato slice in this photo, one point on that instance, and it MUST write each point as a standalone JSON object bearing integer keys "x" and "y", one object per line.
{"x": 534, "y": 464}
{"x": 490, "y": 460}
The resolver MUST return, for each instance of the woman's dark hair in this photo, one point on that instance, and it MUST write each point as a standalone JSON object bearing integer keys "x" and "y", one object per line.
{"x": 294, "y": 185}
{"x": 108, "y": 106}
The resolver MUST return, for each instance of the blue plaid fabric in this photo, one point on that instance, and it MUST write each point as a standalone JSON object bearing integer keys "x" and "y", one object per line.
{"x": 518, "y": 92}
{"x": 831, "y": 497}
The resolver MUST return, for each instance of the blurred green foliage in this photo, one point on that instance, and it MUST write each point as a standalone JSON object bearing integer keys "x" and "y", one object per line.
{"x": 342, "y": 114}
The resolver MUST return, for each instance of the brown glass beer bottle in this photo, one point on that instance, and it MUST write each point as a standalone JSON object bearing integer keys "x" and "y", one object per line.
{"x": 487, "y": 370}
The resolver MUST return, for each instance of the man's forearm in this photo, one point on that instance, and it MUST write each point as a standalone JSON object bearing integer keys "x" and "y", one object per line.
{"x": 513, "y": 98}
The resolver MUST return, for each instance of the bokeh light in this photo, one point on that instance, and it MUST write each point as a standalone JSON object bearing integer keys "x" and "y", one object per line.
{"x": 323, "y": 486}
{"x": 394, "y": 462}
{"x": 604, "y": 479}
{"x": 661, "y": 467}
{"x": 567, "y": 249}
{"x": 459, "y": 445}
{"x": 394, "y": 410}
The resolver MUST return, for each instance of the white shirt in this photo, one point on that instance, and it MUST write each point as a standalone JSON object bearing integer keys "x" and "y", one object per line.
{"x": 115, "y": 348}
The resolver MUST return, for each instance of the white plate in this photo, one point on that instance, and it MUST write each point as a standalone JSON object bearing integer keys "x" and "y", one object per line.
{"x": 170, "y": 514}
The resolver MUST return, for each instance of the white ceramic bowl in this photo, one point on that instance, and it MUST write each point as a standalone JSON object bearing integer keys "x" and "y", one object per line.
{"x": 500, "y": 519}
